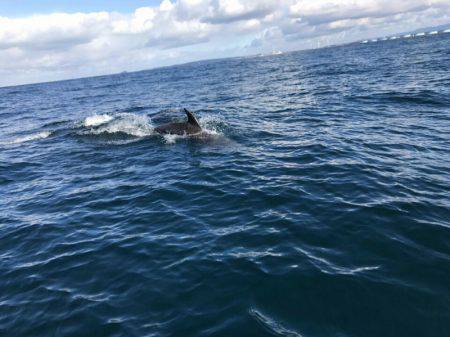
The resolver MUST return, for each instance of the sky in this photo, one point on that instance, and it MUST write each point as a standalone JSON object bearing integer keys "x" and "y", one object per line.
{"x": 42, "y": 40}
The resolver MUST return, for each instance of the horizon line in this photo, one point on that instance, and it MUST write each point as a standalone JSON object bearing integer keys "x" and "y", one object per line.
{"x": 369, "y": 41}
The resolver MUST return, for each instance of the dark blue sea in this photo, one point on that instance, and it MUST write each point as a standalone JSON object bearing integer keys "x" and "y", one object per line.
{"x": 315, "y": 203}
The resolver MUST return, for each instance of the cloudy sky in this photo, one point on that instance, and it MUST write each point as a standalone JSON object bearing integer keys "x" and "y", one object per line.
{"x": 43, "y": 40}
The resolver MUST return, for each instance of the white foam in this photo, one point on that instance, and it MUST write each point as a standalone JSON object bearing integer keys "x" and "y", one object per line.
{"x": 434, "y": 32}
{"x": 171, "y": 139}
{"x": 446, "y": 31}
{"x": 96, "y": 120}
{"x": 131, "y": 124}
{"x": 420, "y": 34}
{"x": 210, "y": 124}
{"x": 27, "y": 138}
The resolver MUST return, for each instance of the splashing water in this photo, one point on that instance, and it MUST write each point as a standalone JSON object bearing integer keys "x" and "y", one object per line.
{"x": 96, "y": 120}
{"x": 127, "y": 123}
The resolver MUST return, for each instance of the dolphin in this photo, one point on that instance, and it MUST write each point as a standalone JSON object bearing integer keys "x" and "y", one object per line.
{"x": 191, "y": 127}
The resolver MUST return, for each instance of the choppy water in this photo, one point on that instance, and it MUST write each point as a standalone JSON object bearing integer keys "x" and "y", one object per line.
{"x": 317, "y": 204}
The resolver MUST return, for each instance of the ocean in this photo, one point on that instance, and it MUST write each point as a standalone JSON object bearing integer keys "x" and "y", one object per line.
{"x": 316, "y": 202}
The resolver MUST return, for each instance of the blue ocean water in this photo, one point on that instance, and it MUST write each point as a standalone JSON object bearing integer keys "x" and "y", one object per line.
{"x": 317, "y": 202}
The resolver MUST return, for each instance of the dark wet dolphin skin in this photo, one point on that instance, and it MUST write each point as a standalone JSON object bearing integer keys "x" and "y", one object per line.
{"x": 188, "y": 128}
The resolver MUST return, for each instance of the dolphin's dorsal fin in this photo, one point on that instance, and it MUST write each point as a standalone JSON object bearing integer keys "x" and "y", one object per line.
{"x": 191, "y": 118}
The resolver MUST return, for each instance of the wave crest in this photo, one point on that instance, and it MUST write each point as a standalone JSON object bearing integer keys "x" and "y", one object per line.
{"x": 96, "y": 120}
{"x": 128, "y": 123}
{"x": 27, "y": 138}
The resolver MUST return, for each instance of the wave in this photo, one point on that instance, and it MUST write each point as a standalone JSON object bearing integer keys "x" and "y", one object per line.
{"x": 272, "y": 325}
{"x": 424, "y": 97}
{"x": 97, "y": 120}
{"x": 327, "y": 267}
{"x": 27, "y": 138}
{"x": 136, "y": 108}
{"x": 126, "y": 123}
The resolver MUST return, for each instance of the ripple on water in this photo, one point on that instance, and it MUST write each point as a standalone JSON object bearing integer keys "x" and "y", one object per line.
{"x": 315, "y": 203}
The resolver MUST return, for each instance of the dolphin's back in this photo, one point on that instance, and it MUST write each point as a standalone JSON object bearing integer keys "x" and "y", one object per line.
{"x": 188, "y": 128}
{"x": 176, "y": 129}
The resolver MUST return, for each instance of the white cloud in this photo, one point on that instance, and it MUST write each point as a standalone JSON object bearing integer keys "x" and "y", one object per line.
{"x": 61, "y": 45}
{"x": 52, "y": 31}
